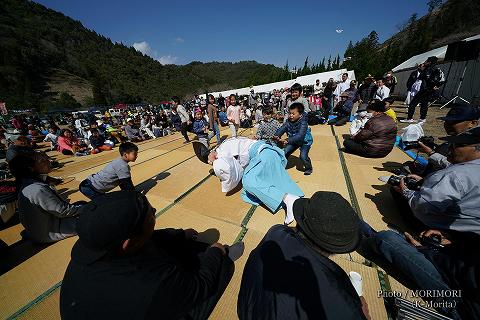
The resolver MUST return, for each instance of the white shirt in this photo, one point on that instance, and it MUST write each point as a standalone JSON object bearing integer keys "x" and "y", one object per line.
{"x": 341, "y": 87}
{"x": 382, "y": 92}
{"x": 317, "y": 89}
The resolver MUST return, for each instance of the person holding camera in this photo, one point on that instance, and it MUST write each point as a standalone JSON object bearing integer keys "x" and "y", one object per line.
{"x": 449, "y": 198}
{"x": 460, "y": 118}
{"x": 435, "y": 261}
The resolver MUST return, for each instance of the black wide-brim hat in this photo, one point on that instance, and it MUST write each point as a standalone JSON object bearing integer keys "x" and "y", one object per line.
{"x": 329, "y": 221}
{"x": 201, "y": 151}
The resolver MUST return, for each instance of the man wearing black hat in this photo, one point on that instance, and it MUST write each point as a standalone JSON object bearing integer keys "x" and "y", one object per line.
{"x": 289, "y": 274}
{"x": 449, "y": 199}
{"x": 460, "y": 118}
{"x": 377, "y": 138}
{"x": 122, "y": 269}
{"x": 432, "y": 78}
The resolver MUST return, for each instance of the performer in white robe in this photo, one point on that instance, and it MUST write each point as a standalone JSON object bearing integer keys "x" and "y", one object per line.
{"x": 260, "y": 167}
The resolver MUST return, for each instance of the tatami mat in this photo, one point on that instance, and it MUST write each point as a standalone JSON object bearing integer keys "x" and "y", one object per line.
{"x": 33, "y": 277}
{"x": 371, "y": 287}
{"x": 166, "y": 177}
{"x": 227, "y": 307}
{"x": 49, "y": 309}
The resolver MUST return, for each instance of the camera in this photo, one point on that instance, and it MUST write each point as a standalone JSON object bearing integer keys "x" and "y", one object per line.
{"x": 429, "y": 141}
{"x": 434, "y": 241}
{"x": 394, "y": 181}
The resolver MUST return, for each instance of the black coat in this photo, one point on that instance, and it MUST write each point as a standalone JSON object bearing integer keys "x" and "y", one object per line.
{"x": 412, "y": 78}
{"x": 286, "y": 279}
{"x": 159, "y": 282}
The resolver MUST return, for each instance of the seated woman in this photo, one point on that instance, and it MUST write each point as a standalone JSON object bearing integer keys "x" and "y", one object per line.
{"x": 45, "y": 216}
{"x": 69, "y": 145}
{"x": 377, "y": 138}
{"x": 261, "y": 169}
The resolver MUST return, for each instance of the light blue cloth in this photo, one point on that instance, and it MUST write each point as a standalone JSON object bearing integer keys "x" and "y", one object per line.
{"x": 265, "y": 180}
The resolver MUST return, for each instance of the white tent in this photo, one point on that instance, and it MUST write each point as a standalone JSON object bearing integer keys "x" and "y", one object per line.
{"x": 310, "y": 79}
{"x": 420, "y": 58}
{"x": 453, "y": 71}
{"x": 307, "y": 80}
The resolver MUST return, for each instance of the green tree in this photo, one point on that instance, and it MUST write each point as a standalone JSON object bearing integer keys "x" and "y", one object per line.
{"x": 433, "y": 4}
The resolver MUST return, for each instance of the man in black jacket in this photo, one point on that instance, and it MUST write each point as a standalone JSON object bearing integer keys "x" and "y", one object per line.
{"x": 289, "y": 275}
{"x": 432, "y": 78}
{"x": 122, "y": 269}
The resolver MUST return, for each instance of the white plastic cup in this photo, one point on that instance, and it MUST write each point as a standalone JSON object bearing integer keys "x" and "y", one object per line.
{"x": 356, "y": 280}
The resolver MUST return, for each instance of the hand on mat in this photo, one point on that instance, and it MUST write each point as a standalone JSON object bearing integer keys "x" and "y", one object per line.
{"x": 220, "y": 246}
{"x": 235, "y": 251}
{"x": 190, "y": 234}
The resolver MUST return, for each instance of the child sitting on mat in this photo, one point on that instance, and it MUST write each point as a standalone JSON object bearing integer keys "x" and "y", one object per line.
{"x": 116, "y": 173}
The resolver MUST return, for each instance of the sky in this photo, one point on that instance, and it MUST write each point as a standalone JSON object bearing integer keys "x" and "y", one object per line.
{"x": 271, "y": 32}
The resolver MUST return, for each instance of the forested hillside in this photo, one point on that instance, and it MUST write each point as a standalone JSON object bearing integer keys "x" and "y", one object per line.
{"x": 48, "y": 60}
{"x": 41, "y": 50}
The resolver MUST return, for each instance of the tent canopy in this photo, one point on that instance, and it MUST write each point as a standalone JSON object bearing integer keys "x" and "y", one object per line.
{"x": 307, "y": 80}
{"x": 420, "y": 58}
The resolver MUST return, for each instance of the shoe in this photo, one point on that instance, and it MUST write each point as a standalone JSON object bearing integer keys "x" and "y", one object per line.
{"x": 408, "y": 121}
{"x": 308, "y": 172}
{"x": 422, "y": 120}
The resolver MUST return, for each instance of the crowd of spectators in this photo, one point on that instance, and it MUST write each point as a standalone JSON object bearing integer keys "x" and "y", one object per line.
{"x": 289, "y": 274}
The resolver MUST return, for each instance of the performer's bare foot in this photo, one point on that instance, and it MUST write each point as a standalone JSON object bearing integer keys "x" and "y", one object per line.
{"x": 289, "y": 200}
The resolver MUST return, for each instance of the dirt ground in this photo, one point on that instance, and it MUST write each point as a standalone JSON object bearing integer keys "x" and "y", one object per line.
{"x": 432, "y": 127}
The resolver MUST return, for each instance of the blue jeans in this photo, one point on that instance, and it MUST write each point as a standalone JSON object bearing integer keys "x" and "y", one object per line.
{"x": 391, "y": 251}
{"x": 216, "y": 131}
{"x": 87, "y": 189}
{"x": 304, "y": 149}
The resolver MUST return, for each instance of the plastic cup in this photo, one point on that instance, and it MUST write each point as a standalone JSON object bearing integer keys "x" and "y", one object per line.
{"x": 356, "y": 280}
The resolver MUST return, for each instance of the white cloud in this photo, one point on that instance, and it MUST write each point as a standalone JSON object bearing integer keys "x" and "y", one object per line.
{"x": 167, "y": 59}
{"x": 145, "y": 48}
{"x": 179, "y": 40}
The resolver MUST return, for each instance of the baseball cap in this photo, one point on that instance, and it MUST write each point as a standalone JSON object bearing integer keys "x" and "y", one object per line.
{"x": 462, "y": 112}
{"x": 328, "y": 220}
{"x": 106, "y": 222}
{"x": 468, "y": 137}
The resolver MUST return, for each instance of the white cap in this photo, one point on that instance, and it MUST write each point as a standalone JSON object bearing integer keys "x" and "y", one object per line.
{"x": 129, "y": 119}
{"x": 229, "y": 171}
